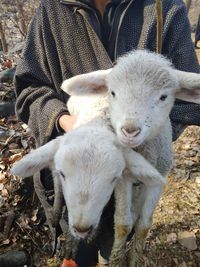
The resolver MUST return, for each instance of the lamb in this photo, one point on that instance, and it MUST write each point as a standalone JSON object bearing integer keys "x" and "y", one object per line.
{"x": 88, "y": 161}
{"x": 139, "y": 93}
{"x": 103, "y": 161}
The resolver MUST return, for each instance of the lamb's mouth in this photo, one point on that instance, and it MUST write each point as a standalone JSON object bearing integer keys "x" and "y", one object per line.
{"x": 87, "y": 236}
{"x": 131, "y": 143}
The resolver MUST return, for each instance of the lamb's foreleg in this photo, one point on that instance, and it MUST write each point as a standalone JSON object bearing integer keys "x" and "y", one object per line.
{"x": 153, "y": 183}
{"x": 148, "y": 200}
{"x": 58, "y": 200}
{"x": 125, "y": 215}
{"x": 40, "y": 191}
{"x": 123, "y": 221}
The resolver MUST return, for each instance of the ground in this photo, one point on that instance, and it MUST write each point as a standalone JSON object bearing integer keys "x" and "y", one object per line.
{"x": 175, "y": 236}
{"x": 174, "y": 239}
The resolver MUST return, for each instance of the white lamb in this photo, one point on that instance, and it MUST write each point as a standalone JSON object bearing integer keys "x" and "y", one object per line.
{"x": 88, "y": 161}
{"x": 141, "y": 90}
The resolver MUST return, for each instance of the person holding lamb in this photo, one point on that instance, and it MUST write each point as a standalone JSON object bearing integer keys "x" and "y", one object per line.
{"x": 70, "y": 37}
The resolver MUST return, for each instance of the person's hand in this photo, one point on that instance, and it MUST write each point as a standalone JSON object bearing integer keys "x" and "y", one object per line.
{"x": 67, "y": 122}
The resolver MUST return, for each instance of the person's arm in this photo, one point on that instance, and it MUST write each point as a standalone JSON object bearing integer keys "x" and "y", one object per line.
{"x": 178, "y": 46}
{"x": 39, "y": 101}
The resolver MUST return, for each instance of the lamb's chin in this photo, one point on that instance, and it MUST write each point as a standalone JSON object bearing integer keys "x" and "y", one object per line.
{"x": 130, "y": 143}
{"x": 89, "y": 238}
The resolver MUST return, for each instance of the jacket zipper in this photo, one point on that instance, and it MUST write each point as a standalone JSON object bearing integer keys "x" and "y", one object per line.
{"x": 118, "y": 28}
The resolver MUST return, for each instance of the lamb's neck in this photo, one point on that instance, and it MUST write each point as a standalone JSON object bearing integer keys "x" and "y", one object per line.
{"x": 88, "y": 108}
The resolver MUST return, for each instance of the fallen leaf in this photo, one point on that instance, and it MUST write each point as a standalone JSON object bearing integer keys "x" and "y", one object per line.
{"x": 183, "y": 264}
{"x": 172, "y": 238}
{"x": 24, "y": 126}
{"x": 1, "y": 186}
{"x": 13, "y": 146}
{"x": 2, "y": 201}
{"x": 176, "y": 261}
{"x": 34, "y": 217}
{"x": 197, "y": 180}
{"x": 24, "y": 143}
{"x": 5, "y": 242}
{"x": 2, "y": 166}
{"x": 2, "y": 176}
{"x": 4, "y": 193}
{"x": 15, "y": 157}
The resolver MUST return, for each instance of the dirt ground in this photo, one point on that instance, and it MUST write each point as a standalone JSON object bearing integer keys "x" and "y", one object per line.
{"x": 175, "y": 236}
{"x": 174, "y": 239}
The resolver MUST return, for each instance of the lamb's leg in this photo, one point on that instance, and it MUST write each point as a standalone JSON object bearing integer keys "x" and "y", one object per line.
{"x": 153, "y": 182}
{"x": 139, "y": 167}
{"x": 123, "y": 222}
{"x": 151, "y": 196}
{"x": 58, "y": 201}
{"x": 40, "y": 191}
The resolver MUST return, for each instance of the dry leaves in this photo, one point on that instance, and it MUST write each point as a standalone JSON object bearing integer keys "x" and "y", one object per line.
{"x": 175, "y": 235}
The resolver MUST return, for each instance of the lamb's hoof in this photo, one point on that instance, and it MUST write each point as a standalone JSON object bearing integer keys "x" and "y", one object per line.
{"x": 117, "y": 264}
{"x": 117, "y": 260}
{"x": 135, "y": 259}
{"x": 135, "y": 253}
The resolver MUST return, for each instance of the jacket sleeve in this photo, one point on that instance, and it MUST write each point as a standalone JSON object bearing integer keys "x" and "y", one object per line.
{"x": 39, "y": 101}
{"x": 179, "y": 48}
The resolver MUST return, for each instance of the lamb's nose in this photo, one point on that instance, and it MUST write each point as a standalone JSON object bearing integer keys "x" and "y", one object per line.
{"x": 83, "y": 230}
{"x": 130, "y": 130}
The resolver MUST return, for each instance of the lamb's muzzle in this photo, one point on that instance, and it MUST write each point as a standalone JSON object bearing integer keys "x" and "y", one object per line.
{"x": 130, "y": 131}
{"x": 82, "y": 232}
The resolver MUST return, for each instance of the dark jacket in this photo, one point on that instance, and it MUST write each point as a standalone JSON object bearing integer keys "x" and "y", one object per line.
{"x": 67, "y": 38}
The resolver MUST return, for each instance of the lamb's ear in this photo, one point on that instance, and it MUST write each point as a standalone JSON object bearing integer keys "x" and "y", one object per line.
{"x": 189, "y": 86}
{"x": 36, "y": 160}
{"x": 86, "y": 84}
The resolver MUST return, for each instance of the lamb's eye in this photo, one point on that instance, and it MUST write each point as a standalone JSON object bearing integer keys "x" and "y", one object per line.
{"x": 113, "y": 93}
{"x": 163, "y": 97}
{"x": 113, "y": 180}
{"x": 62, "y": 174}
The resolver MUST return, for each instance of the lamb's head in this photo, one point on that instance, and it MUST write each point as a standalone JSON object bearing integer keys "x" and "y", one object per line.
{"x": 89, "y": 166}
{"x": 142, "y": 87}
{"x": 88, "y": 163}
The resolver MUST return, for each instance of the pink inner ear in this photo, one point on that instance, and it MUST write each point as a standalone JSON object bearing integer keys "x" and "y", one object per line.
{"x": 192, "y": 93}
{"x": 98, "y": 89}
{"x": 189, "y": 95}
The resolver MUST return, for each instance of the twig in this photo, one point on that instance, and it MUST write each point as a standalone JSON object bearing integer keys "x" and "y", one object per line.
{"x": 159, "y": 26}
{"x": 34, "y": 242}
{"x": 8, "y": 223}
{"x": 189, "y": 204}
{"x": 3, "y": 38}
{"x": 21, "y": 17}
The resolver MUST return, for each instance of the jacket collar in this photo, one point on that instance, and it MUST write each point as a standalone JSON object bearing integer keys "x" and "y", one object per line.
{"x": 89, "y": 2}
